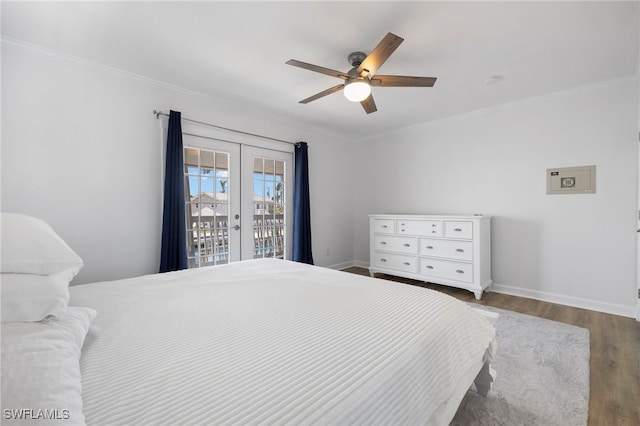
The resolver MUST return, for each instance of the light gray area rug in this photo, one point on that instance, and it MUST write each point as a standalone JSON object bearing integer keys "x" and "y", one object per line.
{"x": 542, "y": 378}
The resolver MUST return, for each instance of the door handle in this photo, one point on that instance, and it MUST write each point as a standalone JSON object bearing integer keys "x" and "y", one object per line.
{"x": 236, "y": 227}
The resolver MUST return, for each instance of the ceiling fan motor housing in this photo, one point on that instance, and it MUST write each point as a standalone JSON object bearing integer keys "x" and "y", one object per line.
{"x": 356, "y": 58}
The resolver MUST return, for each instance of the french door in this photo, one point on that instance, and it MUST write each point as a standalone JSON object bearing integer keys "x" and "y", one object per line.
{"x": 266, "y": 203}
{"x": 237, "y": 201}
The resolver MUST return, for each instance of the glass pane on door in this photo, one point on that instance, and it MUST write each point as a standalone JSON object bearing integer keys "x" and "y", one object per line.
{"x": 268, "y": 208}
{"x": 207, "y": 182}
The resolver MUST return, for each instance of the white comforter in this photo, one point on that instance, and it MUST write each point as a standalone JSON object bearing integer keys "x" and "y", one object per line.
{"x": 274, "y": 342}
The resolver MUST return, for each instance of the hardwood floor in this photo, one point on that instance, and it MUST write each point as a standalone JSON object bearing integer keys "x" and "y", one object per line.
{"x": 614, "y": 397}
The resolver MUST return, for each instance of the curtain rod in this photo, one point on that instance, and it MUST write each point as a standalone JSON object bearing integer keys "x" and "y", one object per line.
{"x": 159, "y": 113}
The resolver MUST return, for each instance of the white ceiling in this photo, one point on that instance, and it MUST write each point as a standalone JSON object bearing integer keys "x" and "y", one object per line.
{"x": 237, "y": 50}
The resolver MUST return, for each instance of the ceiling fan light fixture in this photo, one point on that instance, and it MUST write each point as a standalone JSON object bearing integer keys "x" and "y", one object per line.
{"x": 357, "y": 89}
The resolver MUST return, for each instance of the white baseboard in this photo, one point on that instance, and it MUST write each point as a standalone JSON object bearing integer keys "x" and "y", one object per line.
{"x": 343, "y": 265}
{"x": 576, "y": 302}
{"x": 359, "y": 264}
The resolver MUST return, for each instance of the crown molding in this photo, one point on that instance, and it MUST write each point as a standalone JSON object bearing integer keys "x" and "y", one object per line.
{"x": 37, "y": 50}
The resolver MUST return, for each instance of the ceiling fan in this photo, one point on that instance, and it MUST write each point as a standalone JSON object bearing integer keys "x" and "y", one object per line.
{"x": 359, "y": 79}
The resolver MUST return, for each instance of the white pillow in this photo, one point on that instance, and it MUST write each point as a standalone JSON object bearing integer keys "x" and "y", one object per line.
{"x": 31, "y": 246}
{"x": 27, "y": 297}
{"x": 41, "y": 379}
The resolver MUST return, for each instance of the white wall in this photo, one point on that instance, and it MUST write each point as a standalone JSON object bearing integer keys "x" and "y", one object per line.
{"x": 82, "y": 150}
{"x": 573, "y": 249}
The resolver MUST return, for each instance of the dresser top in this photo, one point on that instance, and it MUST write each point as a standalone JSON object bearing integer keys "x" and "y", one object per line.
{"x": 432, "y": 216}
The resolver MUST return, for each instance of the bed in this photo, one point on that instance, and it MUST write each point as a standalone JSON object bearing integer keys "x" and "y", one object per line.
{"x": 262, "y": 341}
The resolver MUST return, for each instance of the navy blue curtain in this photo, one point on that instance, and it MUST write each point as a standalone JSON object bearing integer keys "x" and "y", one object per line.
{"x": 301, "y": 208}
{"x": 173, "y": 252}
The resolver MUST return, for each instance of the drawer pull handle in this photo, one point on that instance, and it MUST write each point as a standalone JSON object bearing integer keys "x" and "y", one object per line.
{"x": 457, "y": 229}
{"x": 383, "y": 243}
{"x": 433, "y": 225}
{"x": 433, "y": 232}
{"x": 460, "y": 250}
{"x": 402, "y": 224}
{"x": 430, "y": 247}
{"x": 402, "y": 230}
{"x": 429, "y": 267}
{"x": 384, "y": 226}
{"x": 407, "y": 263}
{"x": 460, "y": 271}
{"x": 383, "y": 260}
{"x": 407, "y": 245}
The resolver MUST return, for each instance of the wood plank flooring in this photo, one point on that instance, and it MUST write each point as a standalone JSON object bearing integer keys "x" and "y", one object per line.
{"x": 614, "y": 397}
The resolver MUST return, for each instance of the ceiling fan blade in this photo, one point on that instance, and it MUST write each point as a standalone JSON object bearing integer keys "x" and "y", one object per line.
{"x": 322, "y": 94}
{"x": 369, "y": 105}
{"x": 402, "y": 81}
{"x": 317, "y": 68}
{"x": 379, "y": 55}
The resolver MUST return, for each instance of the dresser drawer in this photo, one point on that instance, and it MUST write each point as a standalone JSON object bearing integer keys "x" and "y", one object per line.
{"x": 450, "y": 249}
{"x": 458, "y": 229}
{"x": 398, "y": 244}
{"x": 396, "y": 261}
{"x": 424, "y": 228}
{"x": 383, "y": 226}
{"x": 445, "y": 269}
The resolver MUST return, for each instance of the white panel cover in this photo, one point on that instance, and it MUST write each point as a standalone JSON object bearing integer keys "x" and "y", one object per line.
{"x": 273, "y": 342}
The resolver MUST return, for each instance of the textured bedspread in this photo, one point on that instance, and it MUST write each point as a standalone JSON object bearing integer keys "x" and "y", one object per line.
{"x": 273, "y": 342}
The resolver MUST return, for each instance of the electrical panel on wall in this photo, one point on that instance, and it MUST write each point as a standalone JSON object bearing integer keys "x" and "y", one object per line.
{"x": 571, "y": 180}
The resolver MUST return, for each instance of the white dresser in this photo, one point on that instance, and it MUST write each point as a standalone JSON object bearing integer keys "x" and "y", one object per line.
{"x": 449, "y": 250}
